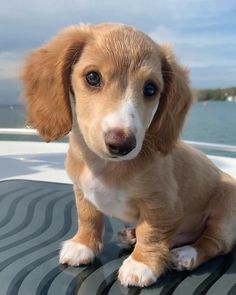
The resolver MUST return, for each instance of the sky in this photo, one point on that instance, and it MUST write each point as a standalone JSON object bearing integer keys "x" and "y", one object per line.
{"x": 201, "y": 32}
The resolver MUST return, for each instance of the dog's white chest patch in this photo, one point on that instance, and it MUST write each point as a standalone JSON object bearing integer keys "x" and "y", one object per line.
{"x": 107, "y": 199}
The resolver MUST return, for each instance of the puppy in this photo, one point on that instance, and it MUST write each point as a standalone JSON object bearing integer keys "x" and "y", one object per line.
{"x": 125, "y": 98}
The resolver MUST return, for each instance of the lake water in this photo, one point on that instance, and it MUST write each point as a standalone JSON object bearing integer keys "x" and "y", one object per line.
{"x": 213, "y": 122}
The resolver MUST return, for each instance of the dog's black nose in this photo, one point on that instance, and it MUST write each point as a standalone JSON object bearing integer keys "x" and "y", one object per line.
{"x": 119, "y": 142}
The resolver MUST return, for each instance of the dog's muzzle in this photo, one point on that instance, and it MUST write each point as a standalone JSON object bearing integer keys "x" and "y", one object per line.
{"x": 119, "y": 142}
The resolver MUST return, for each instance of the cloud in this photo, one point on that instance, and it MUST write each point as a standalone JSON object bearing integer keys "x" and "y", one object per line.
{"x": 210, "y": 54}
{"x": 202, "y": 32}
{"x": 10, "y": 64}
{"x": 203, "y": 49}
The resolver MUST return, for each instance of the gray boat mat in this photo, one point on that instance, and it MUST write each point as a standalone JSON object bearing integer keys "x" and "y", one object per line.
{"x": 35, "y": 217}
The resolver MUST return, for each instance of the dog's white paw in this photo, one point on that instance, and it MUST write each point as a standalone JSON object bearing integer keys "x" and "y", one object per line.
{"x": 75, "y": 254}
{"x": 134, "y": 273}
{"x": 184, "y": 258}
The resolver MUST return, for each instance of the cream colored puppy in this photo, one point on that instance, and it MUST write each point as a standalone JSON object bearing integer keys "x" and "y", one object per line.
{"x": 129, "y": 100}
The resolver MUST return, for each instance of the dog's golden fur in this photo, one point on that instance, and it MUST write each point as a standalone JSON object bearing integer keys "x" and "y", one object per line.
{"x": 173, "y": 193}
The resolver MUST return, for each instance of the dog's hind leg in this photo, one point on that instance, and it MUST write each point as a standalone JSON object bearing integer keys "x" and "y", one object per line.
{"x": 219, "y": 235}
{"x": 209, "y": 245}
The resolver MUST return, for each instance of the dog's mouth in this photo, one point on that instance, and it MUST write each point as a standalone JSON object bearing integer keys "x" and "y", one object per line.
{"x": 128, "y": 150}
{"x": 110, "y": 157}
{"x": 118, "y": 143}
{"x": 116, "y": 149}
{"x": 127, "y": 156}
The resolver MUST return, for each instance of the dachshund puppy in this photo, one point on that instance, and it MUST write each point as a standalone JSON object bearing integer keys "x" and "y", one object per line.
{"x": 125, "y": 98}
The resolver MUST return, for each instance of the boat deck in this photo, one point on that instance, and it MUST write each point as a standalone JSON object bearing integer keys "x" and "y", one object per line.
{"x": 35, "y": 217}
{"x": 45, "y": 162}
{"x": 37, "y": 213}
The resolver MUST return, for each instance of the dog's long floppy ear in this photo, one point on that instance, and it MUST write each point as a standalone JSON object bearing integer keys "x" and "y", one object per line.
{"x": 46, "y": 82}
{"x": 175, "y": 101}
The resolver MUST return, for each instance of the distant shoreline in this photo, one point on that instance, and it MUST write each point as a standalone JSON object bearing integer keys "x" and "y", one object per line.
{"x": 217, "y": 94}
{"x": 211, "y": 94}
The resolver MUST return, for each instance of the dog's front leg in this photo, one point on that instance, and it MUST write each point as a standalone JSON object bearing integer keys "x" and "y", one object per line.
{"x": 151, "y": 253}
{"x": 87, "y": 242}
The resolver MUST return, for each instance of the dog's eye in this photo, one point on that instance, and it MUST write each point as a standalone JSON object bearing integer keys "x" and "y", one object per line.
{"x": 149, "y": 90}
{"x": 93, "y": 79}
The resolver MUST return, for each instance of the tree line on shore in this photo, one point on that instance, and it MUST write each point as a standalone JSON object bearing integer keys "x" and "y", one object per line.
{"x": 214, "y": 94}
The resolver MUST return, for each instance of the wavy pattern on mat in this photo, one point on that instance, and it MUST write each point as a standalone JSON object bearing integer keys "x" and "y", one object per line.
{"x": 35, "y": 217}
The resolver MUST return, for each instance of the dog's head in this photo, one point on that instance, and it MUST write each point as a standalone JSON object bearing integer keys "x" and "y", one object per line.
{"x": 127, "y": 90}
